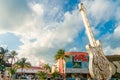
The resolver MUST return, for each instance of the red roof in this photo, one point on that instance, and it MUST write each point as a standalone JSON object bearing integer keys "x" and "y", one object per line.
{"x": 74, "y": 53}
{"x": 34, "y": 67}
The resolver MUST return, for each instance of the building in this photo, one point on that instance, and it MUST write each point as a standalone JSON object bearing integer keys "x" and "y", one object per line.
{"x": 32, "y": 71}
{"x": 115, "y": 62}
{"x": 77, "y": 65}
{"x": 55, "y": 67}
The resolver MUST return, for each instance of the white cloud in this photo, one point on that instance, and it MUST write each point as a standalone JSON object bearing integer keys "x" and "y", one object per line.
{"x": 49, "y": 35}
{"x": 50, "y": 38}
{"x": 117, "y": 32}
{"x": 73, "y": 49}
{"x": 111, "y": 42}
{"x": 108, "y": 50}
{"x": 117, "y": 16}
{"x": 37, "y": 8}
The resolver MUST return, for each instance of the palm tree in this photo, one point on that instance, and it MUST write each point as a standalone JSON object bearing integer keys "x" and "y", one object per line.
{"x": 13, "y": 56}
{"x": 55, "y": 74}
{"x": 3, "y": 52}
{"x": 47, "y": 67}
{"x": 3, "y": 59}
{"x": 42, "y": 75}
{"x": 22, "y": 63}
{"x": 61, "y": 57}
{"x": 12, "y": 72}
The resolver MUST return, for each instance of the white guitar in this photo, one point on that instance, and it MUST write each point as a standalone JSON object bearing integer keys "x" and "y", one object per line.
{"x": 99, "y": 66}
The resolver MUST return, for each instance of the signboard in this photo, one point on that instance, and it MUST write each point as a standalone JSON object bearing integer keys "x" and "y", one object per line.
{"x": 79, "y": 58}
{"x": 77, "y": 61}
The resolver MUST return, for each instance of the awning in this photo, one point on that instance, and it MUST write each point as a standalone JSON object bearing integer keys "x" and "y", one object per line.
{"x": 76, "y": 70}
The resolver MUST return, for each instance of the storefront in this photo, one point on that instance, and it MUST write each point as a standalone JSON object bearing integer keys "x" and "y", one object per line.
{"x": 76, "y": 66}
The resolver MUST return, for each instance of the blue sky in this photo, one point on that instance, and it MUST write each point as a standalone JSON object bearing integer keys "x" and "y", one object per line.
{"x": 36, "y": 29}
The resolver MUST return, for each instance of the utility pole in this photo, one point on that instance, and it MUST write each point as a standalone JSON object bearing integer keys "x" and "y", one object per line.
{"x": 99, "y": 66}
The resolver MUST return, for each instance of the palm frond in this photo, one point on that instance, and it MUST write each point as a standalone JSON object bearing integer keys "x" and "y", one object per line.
{"x": 60, "y": 54}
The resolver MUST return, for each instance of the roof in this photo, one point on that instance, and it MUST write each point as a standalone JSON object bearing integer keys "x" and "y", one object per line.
{"x": 113, "y": 57}
{"x": 32, "y": 69}
{"x": 74, "y": 53}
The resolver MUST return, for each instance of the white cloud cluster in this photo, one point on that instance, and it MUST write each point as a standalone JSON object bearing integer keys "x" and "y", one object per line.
{"x": 47, "y": 35}
{"x": 111, "y": 42}
{"x": 110, "y": 51}
{"x": 37, "y": 8}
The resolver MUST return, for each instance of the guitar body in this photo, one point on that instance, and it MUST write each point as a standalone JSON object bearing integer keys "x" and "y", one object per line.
{"x": 99, "y": 66}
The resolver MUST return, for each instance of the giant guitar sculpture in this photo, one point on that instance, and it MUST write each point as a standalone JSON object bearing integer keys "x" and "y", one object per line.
{"x": 99, "y": 66}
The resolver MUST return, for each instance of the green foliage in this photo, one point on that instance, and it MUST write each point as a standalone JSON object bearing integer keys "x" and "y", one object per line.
{"x": 47, "y": 67}
{"x": 2, "y": 56}
{"x": 12, "y": 71}
{"x": 42, "y": 75}
{"x": 13, "y": 56}
{"x": 22, "y": 63}
{"x": 61, "y": 54}
{"x": 2, "y": 67}
{"x": 55, "y": 74}
{"x": 3, "y": 51}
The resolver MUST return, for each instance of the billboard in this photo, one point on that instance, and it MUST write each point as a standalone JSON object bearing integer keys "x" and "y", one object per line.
{"x": 77, "y": 63}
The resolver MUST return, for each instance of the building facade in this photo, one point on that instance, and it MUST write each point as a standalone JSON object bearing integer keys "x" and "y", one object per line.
{"x": 31, "y": 72}
{"x": 78, "y": 65}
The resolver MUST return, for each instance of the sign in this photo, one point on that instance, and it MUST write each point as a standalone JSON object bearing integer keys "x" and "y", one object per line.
{"x": 79, "y": 58}
{"x": 77, "y": 61}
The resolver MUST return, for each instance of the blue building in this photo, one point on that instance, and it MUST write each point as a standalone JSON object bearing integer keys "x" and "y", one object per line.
{"x": 76, "y": 65}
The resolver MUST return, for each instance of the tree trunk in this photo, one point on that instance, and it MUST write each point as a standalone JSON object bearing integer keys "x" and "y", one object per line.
{"x": 21, "y": 73}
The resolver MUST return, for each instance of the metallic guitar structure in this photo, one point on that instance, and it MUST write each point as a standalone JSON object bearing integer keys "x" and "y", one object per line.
{"x": 99, "y": 66}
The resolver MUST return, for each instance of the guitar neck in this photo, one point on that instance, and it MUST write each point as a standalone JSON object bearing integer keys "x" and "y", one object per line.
{"x": 87, "y": 26}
